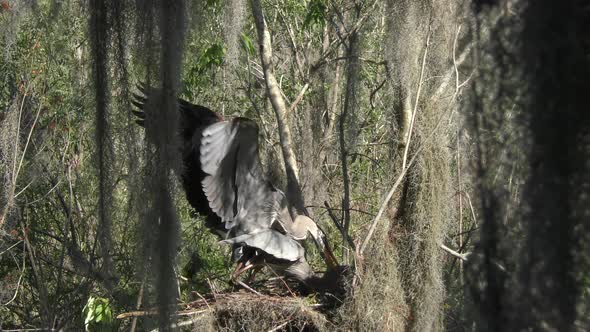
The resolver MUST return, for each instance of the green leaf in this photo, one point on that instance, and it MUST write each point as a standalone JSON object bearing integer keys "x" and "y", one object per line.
{"x": 210, "y": 57}
{"x": 248, "y": 45}
{"x": 99, "y": 316}
{"x": 316, "y": 14}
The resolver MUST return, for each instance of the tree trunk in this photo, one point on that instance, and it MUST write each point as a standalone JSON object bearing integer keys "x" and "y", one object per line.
{"x": 294, "y": 192}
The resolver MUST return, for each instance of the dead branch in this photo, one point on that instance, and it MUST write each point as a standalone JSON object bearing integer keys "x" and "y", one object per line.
{"x": 155, "y": 312}
{"x": 339, "y": 226}
{"x": 459, "y": 180}
{"x": 20, "y": 278}
{"x": 20, "y": 163}
{"x": 297, "y": 100}
{"x": 342, "y": 38}
{"x": 241, "y": 283}
{"x": 464, "y": 256}
{"x": 12, "y": 246}
{"x": 187, "y": 322}
{"x": 210, "y": 304}
{"x": 350, "y": 106}
{"x": 138, "y": 305}
{"x": 461, "y": 256}
{"x": 405, "y": 166}
{"x": 470, "y": 206}
{"x": 400, "y": 178}
{"x": 338, "y": 209}
{"x": 278, "y": 104}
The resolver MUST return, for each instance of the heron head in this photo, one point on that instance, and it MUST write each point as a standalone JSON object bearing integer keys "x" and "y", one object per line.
{"x": 319, "y": 238}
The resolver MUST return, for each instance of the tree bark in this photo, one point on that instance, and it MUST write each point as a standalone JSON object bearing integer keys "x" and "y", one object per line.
{"x": 348, "y": 110}
{"x": 294, "y": 192}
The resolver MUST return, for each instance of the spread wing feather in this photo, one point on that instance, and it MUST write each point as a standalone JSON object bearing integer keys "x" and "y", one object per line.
{"x": 218, "y": 144}
{"x": 224, "y": 181}
{"x": 235, "y": 185}
{"x": 193, "y": 120}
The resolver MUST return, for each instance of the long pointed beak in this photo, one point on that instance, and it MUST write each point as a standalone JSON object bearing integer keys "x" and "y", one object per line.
{"x": 329, "y": 258}
{"x": 325, "y": 250}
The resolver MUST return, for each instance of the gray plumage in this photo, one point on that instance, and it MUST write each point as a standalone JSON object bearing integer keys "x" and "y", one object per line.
{"x": 271, "y": 242}
{"x": 225, "y": 182}
{"x": 238, "y": 192}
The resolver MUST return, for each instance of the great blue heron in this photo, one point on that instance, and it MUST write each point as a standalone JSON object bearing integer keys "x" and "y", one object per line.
{"x": 224, "y": 181}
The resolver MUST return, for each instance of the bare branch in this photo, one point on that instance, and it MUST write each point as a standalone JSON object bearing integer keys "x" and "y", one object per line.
{"x": 12, "y": 246}
{"x": 241, "y": 283}
{"x": 462, "y": 257}
{"x": 339, "y": 226}
{"x": 20, "y": 278}
{"x": 297, "y": 100}
{"x": 405, "y": 166}
{"x": 278, "y": 104}
{"x": 138, "y": 305}
{"x": 459, "y": 180}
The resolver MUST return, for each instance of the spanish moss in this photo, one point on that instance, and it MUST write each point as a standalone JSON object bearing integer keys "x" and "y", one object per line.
{"x": 162, "y": 157}
{"x": 532, "y": 67}
{"x": 99, "y": 42}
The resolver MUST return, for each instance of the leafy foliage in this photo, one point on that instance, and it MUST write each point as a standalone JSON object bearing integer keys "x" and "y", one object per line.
{"x": 316, "y": 13}
{"x": 99, "y": 315}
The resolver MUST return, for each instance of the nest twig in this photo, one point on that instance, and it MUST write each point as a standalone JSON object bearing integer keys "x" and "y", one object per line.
{"x": 227, "y": 310}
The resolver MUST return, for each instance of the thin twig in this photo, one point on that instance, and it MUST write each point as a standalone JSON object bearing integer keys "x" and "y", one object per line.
{"x": 279, "y": 327}
{"x": 211, "y": 286}
{"x": 20, "y": 164}
{"x": 23, "y": 190}
{"x": 460, "y": 196}
{"x": 154, "y": 312}
{"x": 461, "y": 256}
{"x": 465, "y": 232}
{"x": 12, "y": 246}
{"x": 297, "y": 100}
{"x": 453, "y": 71}
{"x": 17, "y": 136}
{"x": 138, "y": 305}
{"x": 46, "y": 194}
{"x": 455, "y": 66}
{"x": 372, "y": 94}
{"x": 22, "y": 273}
{"x": 282, "y": 280}
{"x": 405, "y": 166}
{"x": 241, "y": 283}
{"x": 338, "y": 209}
{"x": 202, "y": 298}
{"x": 470, "y": 206}
{"x": 416, "y": 101}
{"x": 339, "y": 226}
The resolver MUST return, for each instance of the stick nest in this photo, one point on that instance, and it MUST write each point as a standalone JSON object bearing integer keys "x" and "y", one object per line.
{"x": 278, "y": 306}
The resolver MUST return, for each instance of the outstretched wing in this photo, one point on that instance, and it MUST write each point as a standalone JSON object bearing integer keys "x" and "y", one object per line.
{"x": 235, "y": 185}
{"x": 193, "y": 120}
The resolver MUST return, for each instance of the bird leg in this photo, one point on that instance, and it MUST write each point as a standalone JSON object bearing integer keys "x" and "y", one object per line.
{"x": 235, "y": 274}
{"x": 241, "y": 268}
{"x": 253, "y": 273}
